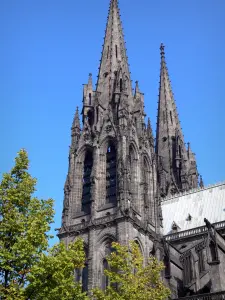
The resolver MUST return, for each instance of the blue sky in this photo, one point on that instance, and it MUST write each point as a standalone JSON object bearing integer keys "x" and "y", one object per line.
{"x": 49, "y": 47}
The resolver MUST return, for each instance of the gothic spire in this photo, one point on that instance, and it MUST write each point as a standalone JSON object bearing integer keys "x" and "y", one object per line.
{"x": 170, "y": 146}
{"x": 114, "y": 59}
{"x": 167, "y": 120}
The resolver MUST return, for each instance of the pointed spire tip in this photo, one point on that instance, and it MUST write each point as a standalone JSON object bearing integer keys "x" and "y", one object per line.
{"x": 162, "y": 49}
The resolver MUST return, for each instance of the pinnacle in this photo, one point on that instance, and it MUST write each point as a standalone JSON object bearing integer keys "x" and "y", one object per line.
{"x": 137, "y": 90}
{"x": 90, "y": 80}
{"x": 149, "y": 130}
{"x": 201, "y": 183}
{"x": 76, "y": 120}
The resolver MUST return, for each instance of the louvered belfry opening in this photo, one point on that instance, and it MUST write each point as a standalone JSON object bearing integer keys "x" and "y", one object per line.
{"x": 86, "y": 195}
{"x": 111, "y": 174}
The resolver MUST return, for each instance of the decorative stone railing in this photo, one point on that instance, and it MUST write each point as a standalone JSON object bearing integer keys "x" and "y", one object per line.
{"x": 103, "y": 221}
{"x": 192, "y": 232}
{"x": 211, "y": 296}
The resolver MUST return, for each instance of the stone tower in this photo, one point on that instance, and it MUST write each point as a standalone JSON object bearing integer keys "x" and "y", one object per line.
{"x": 177, "y": 169}
{"x": 111, "y": 189}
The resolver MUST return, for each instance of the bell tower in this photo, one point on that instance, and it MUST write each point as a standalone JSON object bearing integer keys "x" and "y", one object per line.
{"x": 110, "y": 192}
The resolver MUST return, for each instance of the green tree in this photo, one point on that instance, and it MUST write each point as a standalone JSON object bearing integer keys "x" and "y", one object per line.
{"x": 129, "y": 279}
{"x": 28, "y": 269}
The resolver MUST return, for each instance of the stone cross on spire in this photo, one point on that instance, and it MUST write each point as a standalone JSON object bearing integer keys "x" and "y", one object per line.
{"x": 114, "y": 59}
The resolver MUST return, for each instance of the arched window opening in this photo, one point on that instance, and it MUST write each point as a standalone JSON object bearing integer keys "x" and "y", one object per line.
{"x": 116, "y": 51}
{"x": 86, "y": 195}
{"x": 179, "y": 151}
{"x": 201, "y": 263}
{"x": 171, "y": 118}
{"x": 152, "y": 252}
{"x": 121, "y": 85}
{"x": 139, "y": 248}
{"x": 97, "y": 114}
{"x": 85, "y": 273}
{"x": 111, "y": 174}
{"x": 188, "y": 271}
{"x": 90, "y": 117}
{"x": 105, "y": 279}
{"x": 213, "y": 251}
{"x": 146, "y": 184}
{"x": 89, "y": 98}
{"x": 81, "y": 275}
{"x": 132, "y": 170}
{"x": 167, "y": 266}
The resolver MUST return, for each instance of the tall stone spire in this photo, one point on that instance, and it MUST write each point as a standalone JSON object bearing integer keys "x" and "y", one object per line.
{"x": 170, "y": 147}
{"x": 114, "y": 68}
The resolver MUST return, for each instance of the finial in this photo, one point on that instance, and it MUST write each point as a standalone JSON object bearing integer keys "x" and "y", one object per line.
{"x": 90, "y": 79}
{"x": 76, "y": 121}
{"x": 136, "y": 87}
{"x": 201, "y": 183}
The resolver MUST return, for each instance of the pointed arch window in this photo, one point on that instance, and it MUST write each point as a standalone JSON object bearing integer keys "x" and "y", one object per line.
{"x": 86, "y": 194}
{"x": 171, "y": 118}
{"x": 116, "y": 51}
{"x": 111, "y": 174}
{"x": 201, "y": 263}
{"x": 213, "y": 251}
{"x": 145, "y": 178}
{"x": 133, "y": 174}
{"x": 166, "y": 262}
{"x": 90, "y": 117}
{"x": 85, "y": 273}
{"x": 105, "y": 279}
{"x": 89, "y": 98}
{"x": 97, "y": 114}
{"x": 81, "y": 275}
{"x": 188, "y": 270}
{"x": 121, "y": 85}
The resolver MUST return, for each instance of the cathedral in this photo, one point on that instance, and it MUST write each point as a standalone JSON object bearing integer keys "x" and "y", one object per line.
{"x": 123, "y": 184}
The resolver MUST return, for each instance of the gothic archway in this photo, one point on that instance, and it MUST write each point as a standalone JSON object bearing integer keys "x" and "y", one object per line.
{"x": 111, "y": 178}
{"x": 86, "y": 192}
{"x": 133, "y": 177}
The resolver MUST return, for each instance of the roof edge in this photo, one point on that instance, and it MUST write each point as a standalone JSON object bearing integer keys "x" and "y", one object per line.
{"x": 192, "y": 191}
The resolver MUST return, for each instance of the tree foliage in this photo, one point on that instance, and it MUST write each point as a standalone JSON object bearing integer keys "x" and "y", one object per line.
{"x": 28, "y": 269}
{"x": 129, "y": 279}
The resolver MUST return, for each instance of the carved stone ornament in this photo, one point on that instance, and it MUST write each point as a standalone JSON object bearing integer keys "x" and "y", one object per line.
{"x": 87, "y": 136}
{"x": 108, "y": 128}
